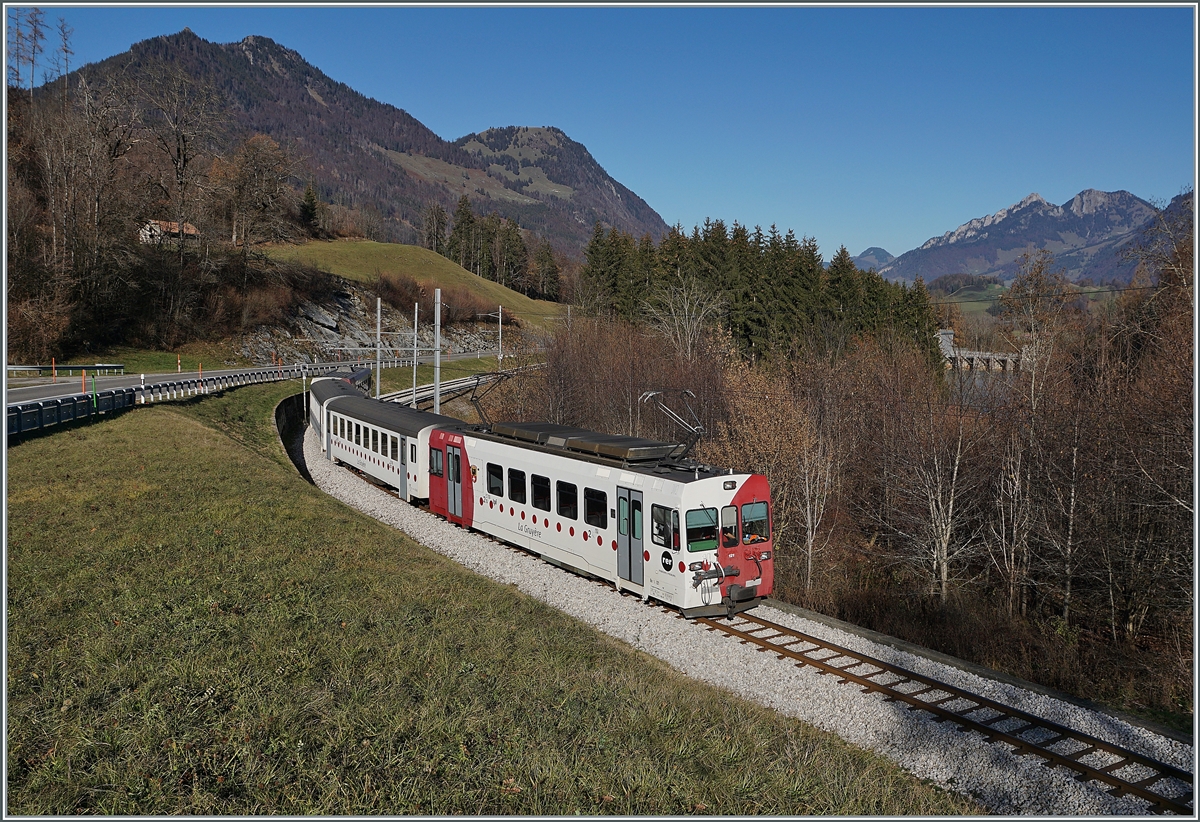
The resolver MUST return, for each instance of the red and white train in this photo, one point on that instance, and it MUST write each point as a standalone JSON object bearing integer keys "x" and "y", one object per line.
{"x": 620, "y": 509}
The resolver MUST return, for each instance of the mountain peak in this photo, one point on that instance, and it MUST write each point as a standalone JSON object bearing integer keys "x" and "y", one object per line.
{"x": 874, "y": 257}
{"x": 374, "y": 158}
{"x": 1085, "y": 235}
{"x": 1089, "y": 201}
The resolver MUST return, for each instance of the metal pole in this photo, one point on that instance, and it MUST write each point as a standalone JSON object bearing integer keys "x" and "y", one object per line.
{"x": 437, "y": 350}
{"x": 378, "y": 337}
{"x": 416, "y": 311}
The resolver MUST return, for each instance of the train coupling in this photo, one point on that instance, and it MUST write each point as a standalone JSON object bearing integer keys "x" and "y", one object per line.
{"x": 716, "y": 572}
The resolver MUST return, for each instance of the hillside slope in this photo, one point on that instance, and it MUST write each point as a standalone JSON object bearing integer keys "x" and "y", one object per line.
{"x": 373, "y": 156}
{"x": 364, "y": 261}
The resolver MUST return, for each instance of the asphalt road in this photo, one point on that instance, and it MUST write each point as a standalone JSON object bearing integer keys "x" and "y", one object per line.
{"x": 30, "y": 389}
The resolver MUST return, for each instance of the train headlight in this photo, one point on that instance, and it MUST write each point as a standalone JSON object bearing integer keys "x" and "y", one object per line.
{"x": 765, "y": 555}
{"x": 698, "y": 566}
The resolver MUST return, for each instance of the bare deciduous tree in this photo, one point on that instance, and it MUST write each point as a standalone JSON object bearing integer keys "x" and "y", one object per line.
{"x": 683, "y": 310}
{"x": 254, "y": 191}
{"x": 819, "y": 473}
{"x": 935, "y": 524}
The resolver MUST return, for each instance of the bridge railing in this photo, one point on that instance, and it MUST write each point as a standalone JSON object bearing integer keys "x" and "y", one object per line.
{"x": 26, "y": 417}
{"x": 99, "y": 369}
{"x": 35, "y": 415}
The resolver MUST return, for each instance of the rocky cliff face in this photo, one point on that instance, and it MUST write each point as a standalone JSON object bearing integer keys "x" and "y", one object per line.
{"x": 347, "y": 321}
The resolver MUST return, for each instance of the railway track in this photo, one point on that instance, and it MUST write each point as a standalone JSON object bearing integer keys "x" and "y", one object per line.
{"x": 1117, "y": 770}
{"x": 1121, "y": 772}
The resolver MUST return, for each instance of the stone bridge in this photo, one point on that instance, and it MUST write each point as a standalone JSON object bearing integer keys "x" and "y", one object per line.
{"x": 961, "y": 358}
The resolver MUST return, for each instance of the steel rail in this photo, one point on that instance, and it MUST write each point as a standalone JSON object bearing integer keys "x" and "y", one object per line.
{"x": 1028, "y": 722}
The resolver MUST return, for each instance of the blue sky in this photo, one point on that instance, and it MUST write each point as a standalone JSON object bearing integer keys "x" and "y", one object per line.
{"x": 858, "y": 126}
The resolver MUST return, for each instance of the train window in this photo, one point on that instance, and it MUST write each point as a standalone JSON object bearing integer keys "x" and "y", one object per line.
{"x": 756, "y": 525}
{"x": 729, "y": 526}
{"x": 595, "y": 507}
{"x": 516, "y": 485}
{"x": 623, "y": 516}
{"x": 395, "y": 450}
{"x": 702, "y": 529}
{"x": 374, "y": 440}
{"x": 435, "y": 462}
{"x": 495, "y": 479}
{"x": 540, "y": 486}
{"x": 636, "y": 509}
{"x": 568, "y": 500}
{"x": 403, "y": 452}
{"x": 664, "y": 527}
{"x": 328, "y": 419}
{"x": 342, "y": 427}
{"x": 414, "y": 453}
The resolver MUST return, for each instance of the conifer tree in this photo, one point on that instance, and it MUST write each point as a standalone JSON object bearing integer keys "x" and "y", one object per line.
{"x": 546, "y": 272}
{"x": 625, "y": 284}
{"x": 918, "y": 320}
{"x": 460, "y": 246}
{"x": 674, "y": 254}
{"x": 433, "y": 233}
{"x": 595, "y": 274}
{"x": 308, "y": 207}
{"x": 742, "y": 292}
{"x": 843, "y": 290}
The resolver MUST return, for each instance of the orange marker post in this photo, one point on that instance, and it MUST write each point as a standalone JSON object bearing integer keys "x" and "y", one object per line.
{"x": 178, "y": 364}
{"x": 83, "y": 382}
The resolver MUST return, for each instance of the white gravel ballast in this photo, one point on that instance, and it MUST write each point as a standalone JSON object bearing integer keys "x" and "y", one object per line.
{"x": 940, "y": 752}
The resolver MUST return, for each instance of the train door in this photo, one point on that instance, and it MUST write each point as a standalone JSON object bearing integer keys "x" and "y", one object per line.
{"x": 454, "y": 481}
{"x": 630, "y": 564}
{"x": 399, "y": 453}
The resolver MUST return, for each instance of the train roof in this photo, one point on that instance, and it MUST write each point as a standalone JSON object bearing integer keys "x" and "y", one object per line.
{"x": 346, "y": 398}
{"x": 637, "y": 454}
{"x": 334, "y": 384}
{"x": 398, "y": 418}
{"x": 643, "y": 456}
{"x": 628, "y": 449}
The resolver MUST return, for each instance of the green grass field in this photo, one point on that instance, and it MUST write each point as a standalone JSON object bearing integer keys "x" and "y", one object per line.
{"x": 974, "y": 299}
{"x": 193, "y": 629}
{"x": 364, "y": 261}
{"x": 191, "y": 357}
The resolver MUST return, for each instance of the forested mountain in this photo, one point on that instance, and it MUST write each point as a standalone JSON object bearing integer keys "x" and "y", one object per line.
{"x": 546, "y": 164}
{"x": 381, "y": 161}
{"x": 1086, "y": 236}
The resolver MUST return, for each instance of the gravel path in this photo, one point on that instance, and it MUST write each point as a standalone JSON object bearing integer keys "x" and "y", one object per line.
{"x": 958, "y": 761}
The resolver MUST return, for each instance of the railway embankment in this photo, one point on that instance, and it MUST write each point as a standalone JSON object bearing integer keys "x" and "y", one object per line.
{"x": 1003, "y": 781}
{"x": 193, "y": 629}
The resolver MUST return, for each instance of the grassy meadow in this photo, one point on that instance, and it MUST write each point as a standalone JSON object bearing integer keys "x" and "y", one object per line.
{"x": 213, "y": 356}
{"x": 193, "y": 629}
{"x": 365, "y": 260}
